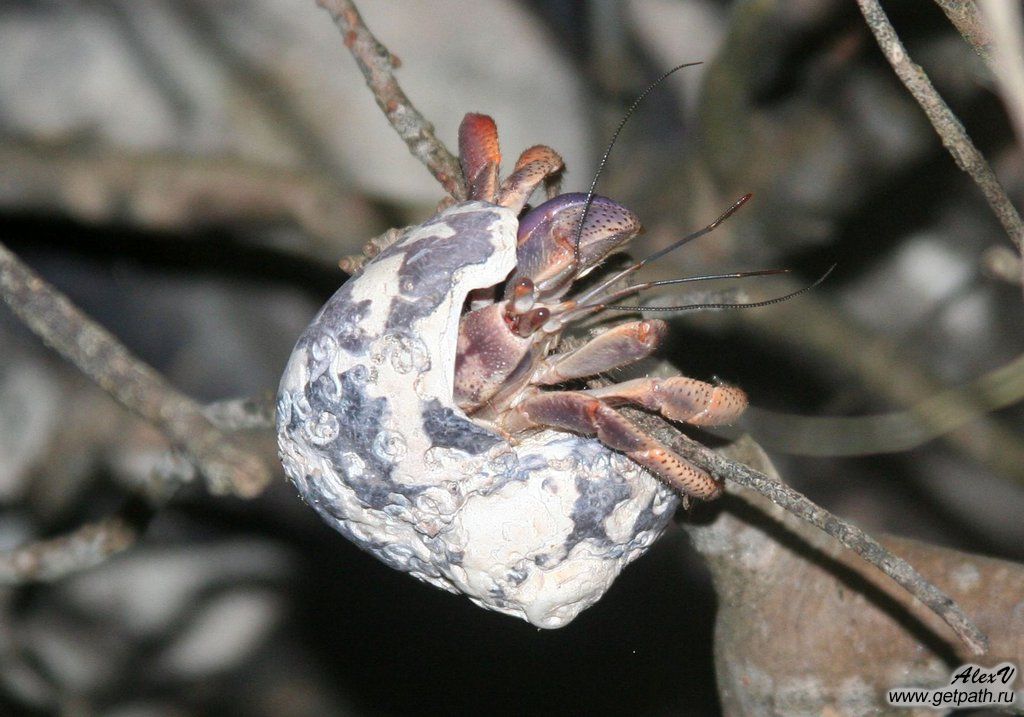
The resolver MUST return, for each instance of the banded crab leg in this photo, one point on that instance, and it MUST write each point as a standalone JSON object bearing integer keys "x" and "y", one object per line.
{"x": 576, "y": 411}
{"x": 678, "y": 398}
{"x": 538, "y": 164}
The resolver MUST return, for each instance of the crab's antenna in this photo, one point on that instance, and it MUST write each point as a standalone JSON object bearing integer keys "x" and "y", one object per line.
{"x": 604, "y": 158}
{"x": 662, "y": 252}
{"x": 727, "y": 305}
{"x": 574, "y": 311}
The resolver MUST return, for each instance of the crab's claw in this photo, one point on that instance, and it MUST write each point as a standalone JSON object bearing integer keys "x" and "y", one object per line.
{"x": 547, "y": 252}
{"x": 480, "y": 155}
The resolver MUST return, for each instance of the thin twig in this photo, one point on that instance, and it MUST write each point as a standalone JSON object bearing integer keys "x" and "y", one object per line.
{"x": 226, "y": 463}
{"x": 377, "y": 65}
{"x": 799, "y": 505}
{"x": 948, "y": 127}
{"x": 83, "y": 548}
{"x": 252, "y": 413}
{"x": 846, "y": 533}
{"x": 965, "y": 16}
{"x": 1003, "y": 20}
{"x": 94, "y": 543}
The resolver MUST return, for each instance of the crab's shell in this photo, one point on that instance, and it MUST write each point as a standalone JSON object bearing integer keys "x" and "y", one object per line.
{"x": 370, "y": 435}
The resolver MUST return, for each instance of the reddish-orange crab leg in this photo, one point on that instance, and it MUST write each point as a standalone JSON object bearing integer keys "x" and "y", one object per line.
{"x": 535, "y": 165}
{"x": 480, "y": 155}
{"x": 619, "y": 346}
{"x": 678, "y": 398}
{"x": 575, "y": 411}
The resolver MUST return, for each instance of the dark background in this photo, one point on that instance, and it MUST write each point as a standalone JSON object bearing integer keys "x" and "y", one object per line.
{"x": 230, "y": 607}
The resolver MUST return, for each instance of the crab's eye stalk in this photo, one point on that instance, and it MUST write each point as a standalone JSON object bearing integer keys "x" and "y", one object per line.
{"x": 523, "y": 295}
{"x": 526, "y": 324}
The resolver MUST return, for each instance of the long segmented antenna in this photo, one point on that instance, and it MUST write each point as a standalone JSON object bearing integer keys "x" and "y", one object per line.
{"x": 608, "y": 151}
{"x": 662, "y": 252}
{"x": 574, "y": 311}
{"x": 748, "y": 305}
{"x": 577, "y": 309}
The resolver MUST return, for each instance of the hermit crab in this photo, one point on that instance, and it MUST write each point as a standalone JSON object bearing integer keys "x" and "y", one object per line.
{"x": 429, "y": 412}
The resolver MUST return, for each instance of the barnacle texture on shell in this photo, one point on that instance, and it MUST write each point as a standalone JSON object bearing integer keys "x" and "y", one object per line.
{"x": 370, "y": 435}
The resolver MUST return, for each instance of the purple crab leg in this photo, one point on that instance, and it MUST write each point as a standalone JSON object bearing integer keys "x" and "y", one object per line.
{"x": 618, "y": 346}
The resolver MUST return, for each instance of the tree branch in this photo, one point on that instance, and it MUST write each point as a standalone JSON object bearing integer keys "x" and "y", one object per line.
{"x": 377, "y": 65}
{"x": 227, "y": 464}
{"x": 948, "y": 127}
{"x": 93, "y": 543}
{"x": 965, "y": 16}
{"x": 788, "y": 595}
{"x": 846, "y": 533}
{"x": 801, "y": 506}
{"x": 81, "y": 549}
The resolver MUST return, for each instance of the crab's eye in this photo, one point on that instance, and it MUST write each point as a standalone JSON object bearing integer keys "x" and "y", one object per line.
{"x": 526, "y": 324}
{"x": 522, "y": 295}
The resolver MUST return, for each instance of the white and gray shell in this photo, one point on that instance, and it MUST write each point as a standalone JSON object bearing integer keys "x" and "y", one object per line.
{"x": 370, "y": 435}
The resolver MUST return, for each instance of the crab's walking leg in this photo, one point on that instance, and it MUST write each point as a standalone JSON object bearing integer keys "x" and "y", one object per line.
{"x": 619, "y": 346}
{"x": 578, "y": 412}
{"x": 535, "y": 165}
{"x": 678, "y": 398}
{"x": 480, "y": 155}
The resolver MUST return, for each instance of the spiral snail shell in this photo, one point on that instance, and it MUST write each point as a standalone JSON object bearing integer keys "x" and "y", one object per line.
{"x": 370, "y": 435}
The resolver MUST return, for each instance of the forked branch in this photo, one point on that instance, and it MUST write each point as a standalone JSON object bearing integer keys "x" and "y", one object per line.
{"x": 227, "y": 465}
{"x": 91, "y": 544}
